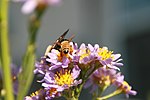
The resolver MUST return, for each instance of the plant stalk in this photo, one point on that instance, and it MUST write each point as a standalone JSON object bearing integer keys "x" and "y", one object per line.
{"x": 4, "y": 50}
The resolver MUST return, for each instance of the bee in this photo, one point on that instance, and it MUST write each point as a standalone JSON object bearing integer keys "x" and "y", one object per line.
{"x": 62, "y": 45}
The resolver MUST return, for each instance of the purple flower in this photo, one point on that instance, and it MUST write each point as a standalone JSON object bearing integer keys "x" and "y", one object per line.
{"x": 118, "y": 80}
{"x": 97, "y": 66}
{"x": 41, "y": 67}
{"x": 108, "y": 59}
{"x": 61, "y": 80}
{"x": 94, "y": 49}
{"x": 91, "y": 53}
{"x": 86, "y": 54}
{"x": 101, "y": 78}
{"x": 123, "y": 85}
{"x": 30, "y": 5}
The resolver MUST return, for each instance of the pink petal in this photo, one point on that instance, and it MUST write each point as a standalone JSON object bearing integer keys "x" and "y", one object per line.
{"x": 29, "y": 6}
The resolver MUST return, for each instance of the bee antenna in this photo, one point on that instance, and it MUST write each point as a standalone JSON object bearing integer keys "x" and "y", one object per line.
{"x": 70, "y": 39}
{"x": 64, "y": 34}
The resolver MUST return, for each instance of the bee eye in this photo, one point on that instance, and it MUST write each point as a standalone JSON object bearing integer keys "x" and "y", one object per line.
{"x": 66, "y": 51}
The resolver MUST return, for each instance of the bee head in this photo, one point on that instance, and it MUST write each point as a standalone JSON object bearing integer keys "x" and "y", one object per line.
{"x": 65, "y": 47}
{"x": 66, "y": 51}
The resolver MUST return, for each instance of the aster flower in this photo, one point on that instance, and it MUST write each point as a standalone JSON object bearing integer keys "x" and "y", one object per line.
{"x": 108, "y": 59}
{"x": 123, "y": 85}
{"x": 91, "y": 66}
{"x": 30, "y": 5}
{"x": 105, "y": 57}
{"x": 101, "y": 78}
{"x": 41, "y": 67}
{"x": 61, "y": 80}
{"x": 85, "y": 54}
{"x": 126, "y": 88}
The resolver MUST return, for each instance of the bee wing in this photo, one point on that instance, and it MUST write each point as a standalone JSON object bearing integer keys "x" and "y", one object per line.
{"x": 62, "y": 36}
{"x": 70, "y": 39}
{"x": 48, "y": 50}
{"x": 58, "y": 41}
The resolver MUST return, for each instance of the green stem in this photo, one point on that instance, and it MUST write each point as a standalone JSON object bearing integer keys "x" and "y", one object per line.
{"x": 78, "y": 91}
{"x": 118, "y": 91}
{"x": 26, "y": 77}
{"x": 4, "y": 49}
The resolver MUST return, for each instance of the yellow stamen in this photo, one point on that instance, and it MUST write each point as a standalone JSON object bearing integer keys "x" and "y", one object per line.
{"x": 84, "y": 53}
{"x": 104, "y": 53}
{"x": 125, "y": 87}
{"x": 64, "y": 78}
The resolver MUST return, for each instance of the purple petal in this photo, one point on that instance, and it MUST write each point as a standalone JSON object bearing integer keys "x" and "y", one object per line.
{"x": 90, "y": 47}
{"x": 54, "y": 61}
{"x": 52, "y": 55}
{"x": 77, "y": 82}
{"x": 85, "y": 60}
{"x": 75, "y": 72}
{"x": 49, "y": 77}
{"x": 65, "y": 62}
{"x": 116, "y": 56}
{"x": 132, "y": 92}
{"x": 108, "y": 61}
{"x": 54, "y": 2}
{"x": 29, "y": 6}
{"x": 54, "y": 67}
{"x": 117, "y": 64}
{"x": 113, "y": 67}
{"x": 82, "y": 46}
{"x": 96, "y": 46}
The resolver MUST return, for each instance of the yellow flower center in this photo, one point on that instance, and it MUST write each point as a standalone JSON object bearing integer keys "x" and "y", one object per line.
{"x": 105, "y": 81}
{"x": 104, "y": 53}
{"x": 64, "y": 78}
{"x": 84, "y": 53}
{"x": 125, "y": 87}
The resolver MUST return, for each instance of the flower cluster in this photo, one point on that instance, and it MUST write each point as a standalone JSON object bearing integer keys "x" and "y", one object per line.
{"x": 84, "y": 66}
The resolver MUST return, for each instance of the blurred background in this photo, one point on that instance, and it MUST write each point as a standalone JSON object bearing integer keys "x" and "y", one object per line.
{"x": 121, "y": 25}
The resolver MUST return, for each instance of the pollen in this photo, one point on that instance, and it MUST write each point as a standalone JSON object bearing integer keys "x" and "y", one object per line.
{"x": 83, "y": 56}
{"x": 104, "y": 53}
{"x": 64, "y": 78}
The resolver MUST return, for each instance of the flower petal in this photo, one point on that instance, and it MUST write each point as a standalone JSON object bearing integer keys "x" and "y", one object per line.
{"x": 29, "y": 6}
